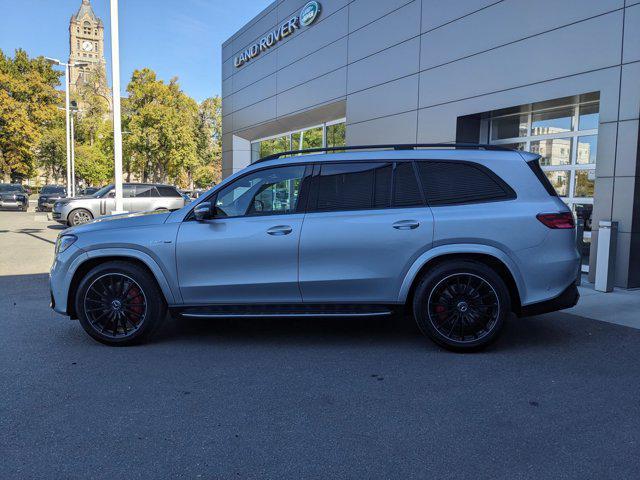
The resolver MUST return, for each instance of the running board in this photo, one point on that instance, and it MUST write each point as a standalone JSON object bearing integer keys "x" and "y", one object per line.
{"x": 275, "y": 311}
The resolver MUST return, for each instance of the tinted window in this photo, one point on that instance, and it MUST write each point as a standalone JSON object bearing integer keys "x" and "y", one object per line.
{"x": 50, "y": 189}
{"x": 354, "y": 186}
{"x": 447, "y": 183}
{"x": 406, "y": 191}
{"x": 272, "y": 191}
{"x": 166, "y": 191}
{"x": 146, "y": 191}
{"x": 128, "y": 191}
{"x": 5, "y": 188}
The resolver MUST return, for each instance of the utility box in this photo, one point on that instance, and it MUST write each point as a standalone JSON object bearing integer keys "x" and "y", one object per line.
{"x": 606, "y": 255}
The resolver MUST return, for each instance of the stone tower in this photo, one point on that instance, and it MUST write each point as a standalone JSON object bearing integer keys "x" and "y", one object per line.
{"x": 86, "y": 42}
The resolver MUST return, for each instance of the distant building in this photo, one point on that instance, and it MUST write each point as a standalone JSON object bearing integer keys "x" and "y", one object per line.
{"x": 86, "y": 45}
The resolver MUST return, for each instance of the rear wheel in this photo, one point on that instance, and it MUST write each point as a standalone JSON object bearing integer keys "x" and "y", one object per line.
{"x": 461, "y": 305}
{"x": 79, "y": 216}
{"x": 119, "y": 303}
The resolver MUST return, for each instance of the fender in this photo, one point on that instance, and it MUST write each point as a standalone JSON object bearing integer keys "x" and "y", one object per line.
{"x": 149, "y": 261}
{"x": 455, "y": 248}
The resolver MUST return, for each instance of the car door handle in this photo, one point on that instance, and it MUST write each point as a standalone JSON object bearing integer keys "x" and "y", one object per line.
{"x": 280, "y": 230}
{"x": 406, "y": 225}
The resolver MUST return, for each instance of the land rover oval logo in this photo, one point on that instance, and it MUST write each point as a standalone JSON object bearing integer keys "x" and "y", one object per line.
{"x": 309, "y": 13}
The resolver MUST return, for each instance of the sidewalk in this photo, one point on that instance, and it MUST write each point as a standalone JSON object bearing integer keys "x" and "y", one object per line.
{"x": 620, "y": 306}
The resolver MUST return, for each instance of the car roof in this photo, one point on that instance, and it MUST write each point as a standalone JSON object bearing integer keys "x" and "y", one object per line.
{"x": 417, "y": 154}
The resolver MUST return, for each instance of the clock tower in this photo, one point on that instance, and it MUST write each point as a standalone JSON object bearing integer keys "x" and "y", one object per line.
{"x": 86, "y": 42}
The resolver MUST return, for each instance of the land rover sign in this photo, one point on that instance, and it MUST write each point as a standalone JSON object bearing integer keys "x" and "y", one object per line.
{"x": 307, "y": 16}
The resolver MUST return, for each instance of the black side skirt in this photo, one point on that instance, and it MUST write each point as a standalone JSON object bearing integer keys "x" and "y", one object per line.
{"x": 281, "y": 310}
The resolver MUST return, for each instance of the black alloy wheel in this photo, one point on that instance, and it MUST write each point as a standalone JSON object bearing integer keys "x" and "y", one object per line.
{"x": 115, "y": 305}
{"x": 462, "y": 305}
{"x": 119, "y": 303}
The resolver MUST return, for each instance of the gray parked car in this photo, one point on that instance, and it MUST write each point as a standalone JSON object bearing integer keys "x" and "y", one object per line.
{"x": 461, "y": 237}
{"x": 137, "y": 197}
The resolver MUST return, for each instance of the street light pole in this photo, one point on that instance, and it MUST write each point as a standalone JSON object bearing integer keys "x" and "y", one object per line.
{"x": 68, "y": 123}
{"x": 73, "y": 159}
{"x": 69, "y": 138}
{"x": 115, "y": 85}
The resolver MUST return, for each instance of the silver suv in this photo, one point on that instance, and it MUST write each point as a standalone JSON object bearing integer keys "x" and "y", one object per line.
{"x": 137, "y": 197}
{"x": 461, "y": 237}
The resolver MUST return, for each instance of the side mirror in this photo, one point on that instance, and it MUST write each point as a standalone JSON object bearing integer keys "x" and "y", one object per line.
{"x": 202, "y": 211}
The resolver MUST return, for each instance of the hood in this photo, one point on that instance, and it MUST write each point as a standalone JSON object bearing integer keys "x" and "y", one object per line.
{"x": 125, "y": 220}
{"x": 46, "y": 196}
{"x": 66, "y": 200}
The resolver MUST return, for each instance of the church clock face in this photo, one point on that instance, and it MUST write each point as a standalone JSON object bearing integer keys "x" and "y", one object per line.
{"x": 87, "y": 46}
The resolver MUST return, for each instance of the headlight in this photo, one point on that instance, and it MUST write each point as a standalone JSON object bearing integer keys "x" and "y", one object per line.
{"x": 57, "y": 205}
{"x": 64, "y": 242}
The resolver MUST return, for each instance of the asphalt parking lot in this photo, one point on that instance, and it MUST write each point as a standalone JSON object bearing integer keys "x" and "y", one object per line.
{"x": 558, "y": 396}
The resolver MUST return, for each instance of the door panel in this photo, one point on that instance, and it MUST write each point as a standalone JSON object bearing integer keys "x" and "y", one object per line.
{"x": 249, "y": 252}
{"x": 361, "y": 256}
{"x": 238, "y": 260}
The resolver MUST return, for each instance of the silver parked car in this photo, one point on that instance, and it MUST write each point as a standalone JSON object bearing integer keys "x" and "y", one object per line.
{"x": 461, "y": 237}
{"x": 137, "y": 197}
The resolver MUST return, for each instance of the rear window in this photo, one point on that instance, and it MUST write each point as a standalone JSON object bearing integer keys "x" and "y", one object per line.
{"x": 454, "y": 183}
{"x": 166, "y": 191}
{"x": 544, "y": 180}
{"x": 49, "y": 190}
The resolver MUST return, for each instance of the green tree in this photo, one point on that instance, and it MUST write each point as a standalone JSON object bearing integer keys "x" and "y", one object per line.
{"x": 27, "y": 106}
{"x": 161, "y": 125}
{"x": 52, "y": 148}
{"x": 209, "y": 143}
{"x": 92, "y": 165}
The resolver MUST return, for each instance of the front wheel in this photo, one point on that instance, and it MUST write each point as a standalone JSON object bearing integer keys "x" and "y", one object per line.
{"x": 461, "y": 305}
{"x": 119, "y": 303}
{"x": 79, "y": 216}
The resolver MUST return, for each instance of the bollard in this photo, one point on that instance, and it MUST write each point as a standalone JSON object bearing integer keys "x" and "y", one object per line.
{"x": 606, "y": 255}
{"x": 580, "y": 246}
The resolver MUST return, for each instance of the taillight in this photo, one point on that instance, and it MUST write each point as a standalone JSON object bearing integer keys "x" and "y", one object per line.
{"x": 557, "y": 220}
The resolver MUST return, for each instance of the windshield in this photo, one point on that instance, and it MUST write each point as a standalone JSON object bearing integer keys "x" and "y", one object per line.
{"x": 6, "y": 187}
{"x": 102, "y": 192}
{"x": 49, "y": 189}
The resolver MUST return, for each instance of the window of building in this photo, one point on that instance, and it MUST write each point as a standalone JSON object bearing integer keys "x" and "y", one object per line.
{"x": 330, "y": 134}
{"x": 564, "y": 132}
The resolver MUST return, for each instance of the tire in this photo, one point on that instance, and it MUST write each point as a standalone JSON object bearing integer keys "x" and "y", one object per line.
{"x": 119, "y": 304}
{"x": 79, "y": 216}
{"x": 461, "y": 305}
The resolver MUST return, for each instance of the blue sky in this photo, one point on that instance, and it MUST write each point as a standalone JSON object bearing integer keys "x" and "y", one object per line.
{"x": 180, "y": 38}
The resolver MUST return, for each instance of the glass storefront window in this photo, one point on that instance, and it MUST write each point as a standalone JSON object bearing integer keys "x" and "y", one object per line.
{"x": 587, "y": 149}
{"x": 560, "y": 181}
{"x": 589, "y": 116}
{"x": 305, "y": 139}
{"x": 554, "y": 151}
{"x": 336, "y": 135}
{"x": 584, "y": 184}
{"x": 274, "y": 145}
{"x": 332, "y": 135}
{"x": 552, "y": 121}
{"x": 509, "y": 127}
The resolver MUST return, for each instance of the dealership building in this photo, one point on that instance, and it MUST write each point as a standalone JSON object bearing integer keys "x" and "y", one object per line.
{"x": 557, "y": 77}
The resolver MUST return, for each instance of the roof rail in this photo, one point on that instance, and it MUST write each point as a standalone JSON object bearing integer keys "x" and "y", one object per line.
{"x": 402, "y": 146}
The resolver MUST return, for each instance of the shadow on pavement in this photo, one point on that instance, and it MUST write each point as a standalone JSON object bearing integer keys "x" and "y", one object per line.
{"x": 555, "y": 330}
{"x": 57, "y": 227}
